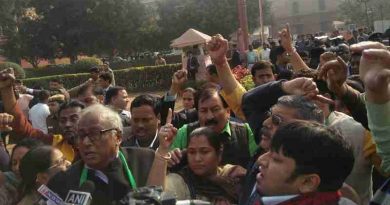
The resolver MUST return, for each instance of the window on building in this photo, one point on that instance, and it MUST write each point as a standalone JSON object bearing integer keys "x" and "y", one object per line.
{"x": 325, "y": 26}
{"x": 295, "y": 7}
{"x": 321, "y": 5}
{"x": 298, "y": 28}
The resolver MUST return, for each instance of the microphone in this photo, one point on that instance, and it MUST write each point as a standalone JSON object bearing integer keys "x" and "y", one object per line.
{"x": 82, "y": 197}
{"x": 50, "y": 195}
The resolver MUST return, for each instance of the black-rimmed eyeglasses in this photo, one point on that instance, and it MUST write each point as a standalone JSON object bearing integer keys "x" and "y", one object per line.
{"x": 276, "y": 119}
{"x": 95, "y": 135}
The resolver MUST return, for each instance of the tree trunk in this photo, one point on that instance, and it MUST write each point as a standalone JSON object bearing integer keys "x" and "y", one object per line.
{"x": 34, "y": 64}
{"x": 33, "y": 61}
{"x": 73, "y": 58}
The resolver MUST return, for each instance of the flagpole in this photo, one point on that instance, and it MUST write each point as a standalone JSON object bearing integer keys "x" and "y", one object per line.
{"x": 243, "y": 21}
{"x": 261, "y": 20}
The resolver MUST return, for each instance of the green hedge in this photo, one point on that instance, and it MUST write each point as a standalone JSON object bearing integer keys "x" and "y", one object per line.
{"x": 83, "y": 66}
{"x": 80, "y": 66}
{"x": 133, "y": 79}
{"x": 19, "y": 72}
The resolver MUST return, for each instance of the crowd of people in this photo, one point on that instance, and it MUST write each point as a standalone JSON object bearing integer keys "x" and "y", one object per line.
{"x": 314, "y": 131}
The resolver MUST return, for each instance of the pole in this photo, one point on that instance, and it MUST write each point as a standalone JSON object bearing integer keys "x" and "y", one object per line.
{"x": 367, "y": 17}
{"x": 243, "y": 20}
{"x": 381, "y": 11}
{"x": 261, "y": 20}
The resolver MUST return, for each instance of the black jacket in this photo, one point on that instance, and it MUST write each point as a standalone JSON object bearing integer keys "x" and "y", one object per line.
{"x": 250, "y": 178}
{"x": 139, "y": 160}
{"x": 256, "y": 103}
{"x": 182, "y": 117}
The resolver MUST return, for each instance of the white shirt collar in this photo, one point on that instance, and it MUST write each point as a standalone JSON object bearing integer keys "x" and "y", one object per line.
{"x": 273, "y": 200}
{"x": 151, "y": 144}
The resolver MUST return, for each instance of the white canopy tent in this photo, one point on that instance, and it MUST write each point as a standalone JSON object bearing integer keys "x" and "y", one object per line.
{"x": 190, "y": 38}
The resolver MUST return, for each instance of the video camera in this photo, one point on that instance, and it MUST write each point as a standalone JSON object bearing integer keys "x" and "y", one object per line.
{"x": 337, "y": 45}
{"x": 150, "y": 195}
{"x": 337, "y": 50}
{"x": 336, "y": 41}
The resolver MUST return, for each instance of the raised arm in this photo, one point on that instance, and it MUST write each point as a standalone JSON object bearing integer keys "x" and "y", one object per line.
{"x": 232, "y": 90}
{"x": 20, "y": 125}
{"x": 295, "y": 60}
{"x": 334, "y": 72}
{"x": 169, "y": 100}
{"x": 159, "y": 168}
{"x": 374, "y": 70}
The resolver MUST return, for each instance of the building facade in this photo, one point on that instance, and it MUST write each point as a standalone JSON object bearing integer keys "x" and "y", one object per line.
{"x": 304, "y": 16}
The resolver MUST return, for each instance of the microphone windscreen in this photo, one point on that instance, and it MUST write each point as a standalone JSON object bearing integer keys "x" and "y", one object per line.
{"x": 88, "y": 186}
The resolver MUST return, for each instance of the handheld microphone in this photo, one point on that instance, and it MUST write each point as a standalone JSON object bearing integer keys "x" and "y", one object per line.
{"x": 51, "y": 196}
{"x": 82, "y": 197}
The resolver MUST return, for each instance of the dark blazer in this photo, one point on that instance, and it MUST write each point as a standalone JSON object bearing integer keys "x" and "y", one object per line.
{"x": 256, "y": 103}
{"x": 139, "y": 160}
{"x": 182, "y": 117}
{"x": 250, "y": 178}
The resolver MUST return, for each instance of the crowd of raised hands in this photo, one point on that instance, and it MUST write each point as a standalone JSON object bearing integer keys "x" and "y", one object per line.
{"x": 228, "y": 145}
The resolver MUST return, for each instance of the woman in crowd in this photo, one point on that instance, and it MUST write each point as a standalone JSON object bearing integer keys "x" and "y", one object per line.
{"x": 189, "y": 113}
{"x": 203, "y": 178}
{"x": 19, "y": 150}
{"x": 36, "y": 168}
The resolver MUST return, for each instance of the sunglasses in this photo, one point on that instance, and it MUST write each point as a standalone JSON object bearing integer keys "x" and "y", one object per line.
{"x": 275, "y": 119}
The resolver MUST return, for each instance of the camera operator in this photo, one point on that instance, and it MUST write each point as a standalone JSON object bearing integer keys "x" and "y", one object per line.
{"x": 340, "y": 48}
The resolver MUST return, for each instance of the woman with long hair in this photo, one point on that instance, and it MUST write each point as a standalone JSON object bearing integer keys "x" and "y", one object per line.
{"x": 36, "y": 168}
{"x": 18, "y": 152}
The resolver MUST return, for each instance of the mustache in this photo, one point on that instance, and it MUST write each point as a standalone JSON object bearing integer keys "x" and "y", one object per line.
{"x": 211, "y": 122}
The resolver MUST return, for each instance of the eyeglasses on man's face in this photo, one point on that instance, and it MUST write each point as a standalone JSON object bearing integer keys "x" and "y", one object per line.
{"x": 93, "y": 136}
{"x": 275, "y": 119}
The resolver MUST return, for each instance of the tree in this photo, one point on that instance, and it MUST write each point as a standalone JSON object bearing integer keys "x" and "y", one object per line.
{"x": 46, "y": 29}
{"x": 72, "y": 27}
{"x": 102, "y": 27}
{"x": 364, "y": 12}
{"x": 211, "y": 17}
{"x": 11, "y": 12}
{"x": 33, "y": 41}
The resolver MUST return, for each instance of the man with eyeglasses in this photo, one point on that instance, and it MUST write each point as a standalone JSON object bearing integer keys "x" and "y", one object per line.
{"x": 288, "y": 108}
{"x": 114, "y": 171}
{"x": 68, "y": 113}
